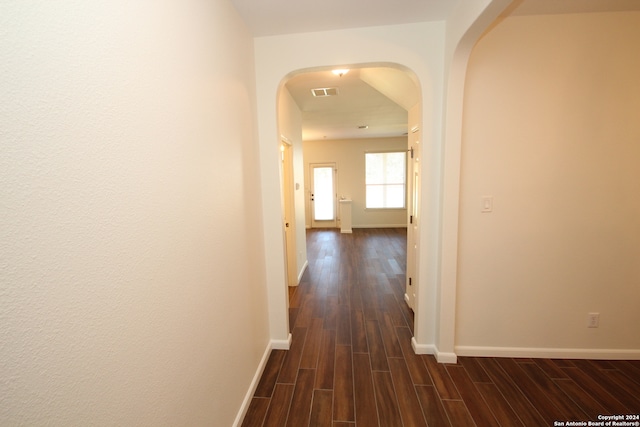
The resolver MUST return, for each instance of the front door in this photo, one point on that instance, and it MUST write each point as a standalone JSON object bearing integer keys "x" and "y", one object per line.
{"x": 323, "y": 195}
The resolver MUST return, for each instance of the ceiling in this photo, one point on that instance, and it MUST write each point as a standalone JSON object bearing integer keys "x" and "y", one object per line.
{"x": 553, "y": 7}
{"x": 270, "y": 17}
{"x": 375, "y": 97}
{"x": 370, "y": 102}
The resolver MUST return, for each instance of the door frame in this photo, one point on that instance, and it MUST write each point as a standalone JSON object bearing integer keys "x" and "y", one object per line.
{"x": 288, "y": 211}
{"x": 323, "y": 223}
{"x": 413, "y": 216}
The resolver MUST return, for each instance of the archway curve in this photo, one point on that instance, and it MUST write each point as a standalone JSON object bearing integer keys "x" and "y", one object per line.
{"x": 352, "y": 66}
{"x": 467, "y": 27}
{"x": 289, "y": 126}
{"x": 426, "y": 48}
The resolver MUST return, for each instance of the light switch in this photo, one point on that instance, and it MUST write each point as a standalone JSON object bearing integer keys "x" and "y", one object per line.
{"x": 487, "y": 204}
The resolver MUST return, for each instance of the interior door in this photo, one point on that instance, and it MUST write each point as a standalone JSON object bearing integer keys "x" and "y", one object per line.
{"x": 323, "y": 195}
{"x": 287, "y": 186}
{"x": 413, "y": 211}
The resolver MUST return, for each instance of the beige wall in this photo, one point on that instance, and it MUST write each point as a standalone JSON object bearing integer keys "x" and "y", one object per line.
{"x": 551, "y": 131}
{"x": 348, "y": 156}
{"x": 132, "y": 275}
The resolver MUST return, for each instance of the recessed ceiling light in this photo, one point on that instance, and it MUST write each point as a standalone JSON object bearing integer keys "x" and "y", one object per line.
{"x": 340, "y": 72}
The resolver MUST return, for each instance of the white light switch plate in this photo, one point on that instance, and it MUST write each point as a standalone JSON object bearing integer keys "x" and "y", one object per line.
{"x": 487, "y": 204}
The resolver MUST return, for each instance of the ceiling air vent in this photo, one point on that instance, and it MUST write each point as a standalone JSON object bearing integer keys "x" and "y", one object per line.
{"x": 324, "y": 91}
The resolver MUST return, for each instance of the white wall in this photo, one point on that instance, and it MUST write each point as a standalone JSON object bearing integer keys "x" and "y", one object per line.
{"x": 349, "y": 157}
{"x": 132, "y": 284}
{"x": 463, "y": 29}
{"x": 418, "y": 47}
{"x": 551, "y": 131}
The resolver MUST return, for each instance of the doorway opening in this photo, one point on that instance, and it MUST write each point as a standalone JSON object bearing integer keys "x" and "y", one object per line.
{"x": 374, "y": 104}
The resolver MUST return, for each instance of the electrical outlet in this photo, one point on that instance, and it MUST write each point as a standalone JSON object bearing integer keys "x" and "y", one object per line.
{"x": 593, "y": 320}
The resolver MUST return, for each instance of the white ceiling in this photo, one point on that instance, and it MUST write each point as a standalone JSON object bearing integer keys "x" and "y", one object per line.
{"x": 376, "y": 97}
{"x": 270, "y": 17}
{"x": 553, "y": 7}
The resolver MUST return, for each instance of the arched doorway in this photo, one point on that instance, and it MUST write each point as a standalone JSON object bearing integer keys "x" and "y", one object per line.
{"x": 342, "y": 104}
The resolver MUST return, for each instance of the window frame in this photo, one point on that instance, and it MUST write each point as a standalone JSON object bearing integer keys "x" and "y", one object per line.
{"x": 404, "y": 182}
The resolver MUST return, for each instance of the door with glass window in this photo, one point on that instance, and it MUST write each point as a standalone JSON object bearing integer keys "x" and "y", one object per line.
{"x": 323, "y": 195}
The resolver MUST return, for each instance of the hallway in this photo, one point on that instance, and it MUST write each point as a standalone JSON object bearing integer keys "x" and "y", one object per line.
{"x": 351, "y": 361}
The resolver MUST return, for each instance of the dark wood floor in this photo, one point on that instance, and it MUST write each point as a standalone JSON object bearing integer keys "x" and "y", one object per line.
{"x": 351, "y": 362}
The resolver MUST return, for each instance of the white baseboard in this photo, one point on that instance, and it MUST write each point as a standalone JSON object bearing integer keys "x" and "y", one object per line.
{"x": 403, "y": 225}
{"x": 273, "y": 345}
{"x": 281, "y": 344}
{"x": 422, "y": 348}
{"x": 548, "y": 353}
{"x": 252, "y": 387}
{"x": 441, "y": 356}
{"x": 302, "y": 270}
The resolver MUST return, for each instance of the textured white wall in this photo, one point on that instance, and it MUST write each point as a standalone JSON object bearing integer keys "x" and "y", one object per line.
{"x": 131, "y": 262}
{"x": 551, "y": 131}
{"x": 348, "y": 155}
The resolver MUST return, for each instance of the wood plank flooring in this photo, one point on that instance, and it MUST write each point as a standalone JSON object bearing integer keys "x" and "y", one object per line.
{"x": 351, "y": 362}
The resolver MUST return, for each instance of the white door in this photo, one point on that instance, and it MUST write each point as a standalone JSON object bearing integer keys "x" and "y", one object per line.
{"x": 413, "y": 211}
{"x": 323, "y": 195}
{"x": 288, "y": 211}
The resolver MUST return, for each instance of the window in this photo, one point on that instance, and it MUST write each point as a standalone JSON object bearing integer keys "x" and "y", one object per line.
{"x": 386, "y": 179}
